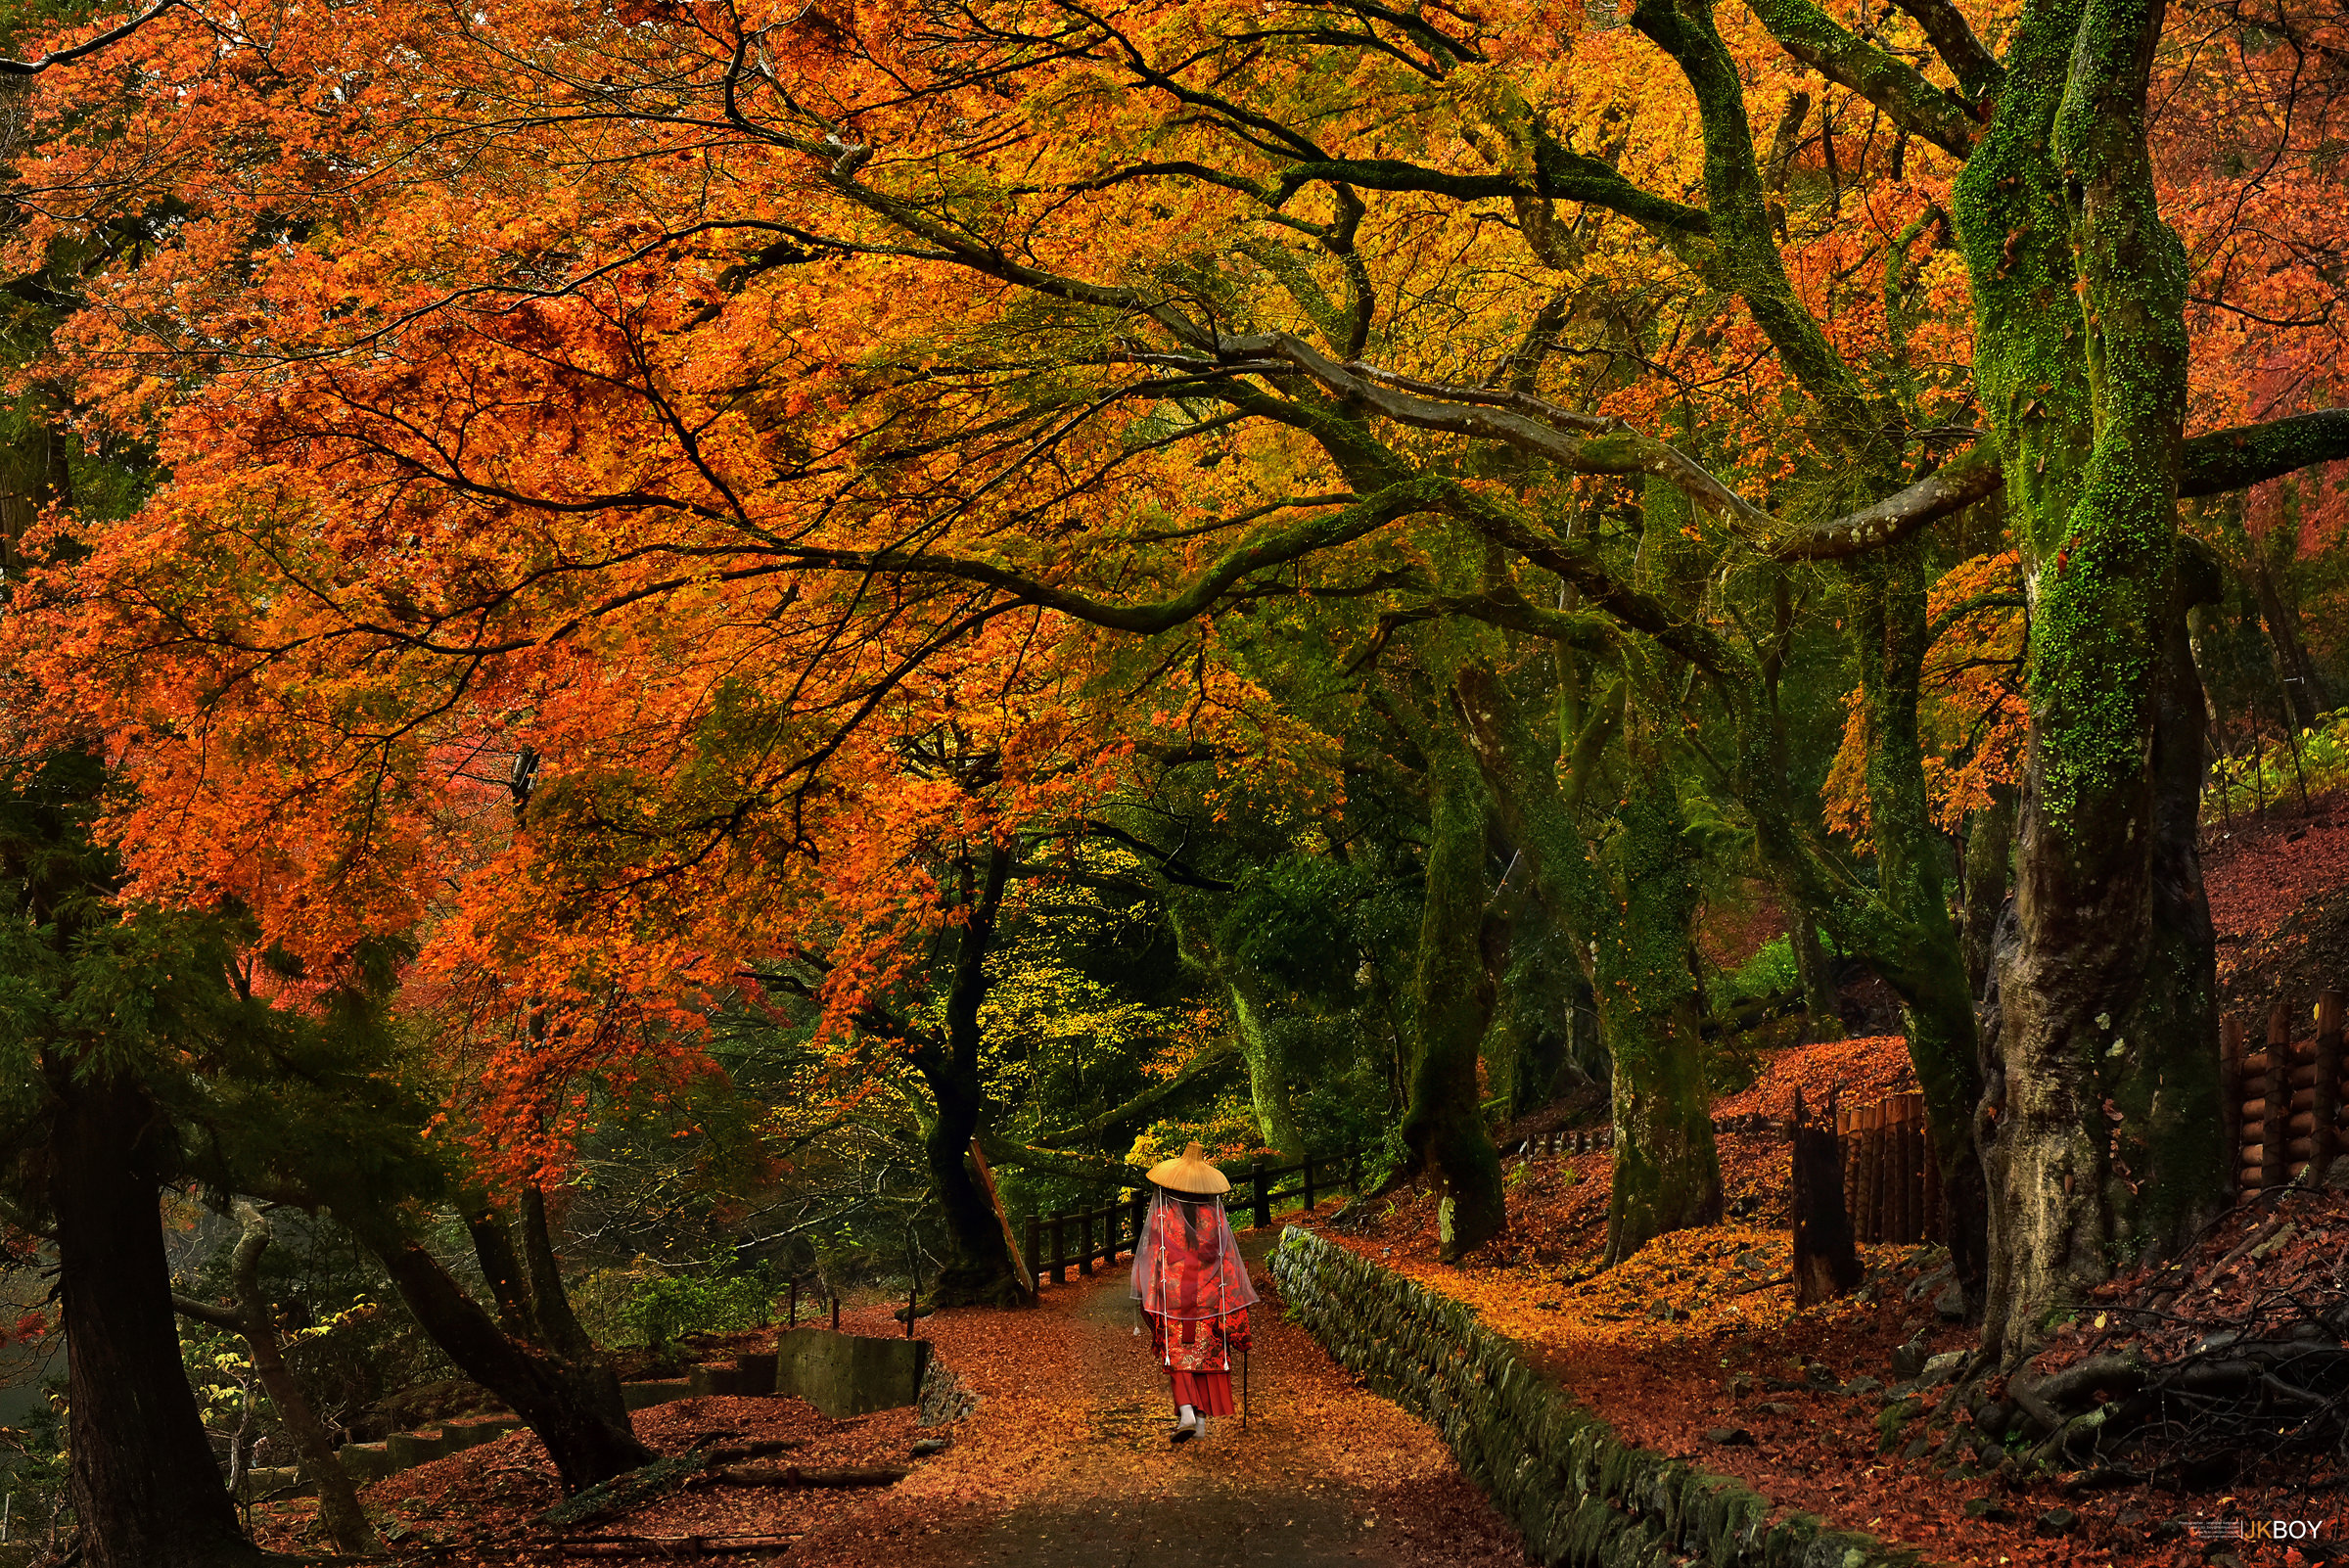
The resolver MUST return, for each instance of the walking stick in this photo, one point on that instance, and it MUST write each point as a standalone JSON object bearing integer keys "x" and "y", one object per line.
{"x": 1243, "y": 1388}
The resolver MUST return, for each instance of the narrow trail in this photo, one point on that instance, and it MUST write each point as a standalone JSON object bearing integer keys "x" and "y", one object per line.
{"x": 1066, "y": 1462}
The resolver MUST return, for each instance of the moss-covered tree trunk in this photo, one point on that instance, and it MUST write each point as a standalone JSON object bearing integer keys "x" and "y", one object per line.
{"x": 1988, "y": 872}
{"x": 2079, "y": 290}
{"x": 1267, "y": 1071}
{"x": 1823, "y": 1012}
{"x": 1667, "y": 1170}
{"x": 1631, "y": 916}
{"x": 1915, "y": 943}
{"x": 1452, "y": 995}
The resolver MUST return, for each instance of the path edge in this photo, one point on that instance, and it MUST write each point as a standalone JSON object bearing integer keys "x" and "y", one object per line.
{"x": 1582, "y": 1496}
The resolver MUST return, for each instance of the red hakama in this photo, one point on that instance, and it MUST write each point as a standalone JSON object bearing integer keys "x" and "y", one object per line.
{"x": 1208, "y": 1393}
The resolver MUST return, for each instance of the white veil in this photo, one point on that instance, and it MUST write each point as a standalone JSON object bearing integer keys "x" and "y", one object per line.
{"x": 1188, "y": 1264}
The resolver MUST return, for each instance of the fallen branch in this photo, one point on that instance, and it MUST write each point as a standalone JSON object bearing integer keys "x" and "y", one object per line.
{"x": 807, "y": 1475}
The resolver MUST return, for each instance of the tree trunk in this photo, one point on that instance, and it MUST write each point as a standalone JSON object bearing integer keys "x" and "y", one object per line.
{"x": 338, "y": 1498}
{"x": 979, "y": 1269}
{"x": 1633, "y": 927}
{"x": 2303, "y": 688}
{"x": 1666, "y": 1169}
{"x": 1268, "y": 1073}
{"x": 1989, "y": 873}
{"x": 502, "y": 1270}
{"x": 1823, "y": 1012}
{"x": 1826, "y": 1264}
{"x": 1445, "y": 1125}
{"x": 144, "y": 1485}
{"x": 561, "y": 1404}
{"x": 2081, "y": 362}
{"x": 1922, "y": 955}
{"x": 550, "y": 1309}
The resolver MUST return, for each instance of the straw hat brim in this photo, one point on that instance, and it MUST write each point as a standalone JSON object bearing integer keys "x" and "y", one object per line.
{"x": 1189, "y": 1173}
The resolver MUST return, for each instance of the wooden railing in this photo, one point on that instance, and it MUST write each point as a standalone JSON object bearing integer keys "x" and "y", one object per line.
{"x": 1079, "y": 1238}
{"x": 2286, "y": 1106}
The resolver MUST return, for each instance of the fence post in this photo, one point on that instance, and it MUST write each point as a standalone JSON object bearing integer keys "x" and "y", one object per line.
{"x": 1141, "y": 1213}
{"x": 2325, "y": 1137}
{"x": 1036, "y": 1254}
{"x": 2276, "y": 1119}
{"x": 1261, "y": 1215}
{"x": 1060, "y": 1249}
{"x": 1308, "y": 1183}
{"x": 2231, "y": 1102}
{"x": 1084, "y": 1243}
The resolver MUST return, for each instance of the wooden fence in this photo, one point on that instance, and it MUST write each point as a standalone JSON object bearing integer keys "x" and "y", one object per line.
{"x": 1080, "y": 1238}
{"x": 1891, "y": 1187}
{"x": 2284, "y": 1103}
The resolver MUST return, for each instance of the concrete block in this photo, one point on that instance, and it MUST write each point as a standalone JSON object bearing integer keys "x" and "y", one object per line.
{"x": 644, "y": 1395}
{"x": 714, "y": 1378}
{"x": 409, "y": 1449}
{"x": 850, "y": 1374}
{"x": 758, "y": 1373}
{"x": 272, "y": 1481}
{"x": 365, "y": 1462}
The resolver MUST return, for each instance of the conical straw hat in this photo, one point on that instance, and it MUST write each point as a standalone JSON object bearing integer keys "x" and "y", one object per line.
{"x": 1189, "y": 1171}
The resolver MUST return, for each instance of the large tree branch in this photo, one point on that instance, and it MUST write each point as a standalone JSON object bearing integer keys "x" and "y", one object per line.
{"x": 1976, "y": 69}
{"x": 1958, "y": 483}
{"x": 1210, "y": 1060}
{"x": 1892, "y": 84}
{"x": 1611, "y": 448}
{"x": 2244, "y": 455}
{"x": 1559, "y": 173}
{"x": 1092, "y": 1167}
{"x": 87, "y": 47}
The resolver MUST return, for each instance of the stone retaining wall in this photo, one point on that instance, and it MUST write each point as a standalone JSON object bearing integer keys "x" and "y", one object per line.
{"x": 1581, "y": 1495}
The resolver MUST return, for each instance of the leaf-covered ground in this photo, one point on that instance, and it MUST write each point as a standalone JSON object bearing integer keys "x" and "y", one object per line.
{"x": 1064, "y": 1461}
{"x": 1695, "y": 1340}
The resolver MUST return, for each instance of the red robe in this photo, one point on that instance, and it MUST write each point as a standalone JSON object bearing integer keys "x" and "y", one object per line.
{"x": 1194, "y": 1338}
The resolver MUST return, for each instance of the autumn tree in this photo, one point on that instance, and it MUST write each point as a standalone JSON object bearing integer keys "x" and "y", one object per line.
{"x": 809, "y": 363}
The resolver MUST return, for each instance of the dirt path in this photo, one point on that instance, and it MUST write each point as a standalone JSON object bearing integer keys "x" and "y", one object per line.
{"x": 1066, "y": 1462}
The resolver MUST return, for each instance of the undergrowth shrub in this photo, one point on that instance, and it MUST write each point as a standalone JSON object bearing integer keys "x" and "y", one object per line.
{"x": 642, "y": 1306}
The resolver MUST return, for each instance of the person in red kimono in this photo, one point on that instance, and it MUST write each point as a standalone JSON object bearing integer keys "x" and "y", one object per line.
{"x": 1193, "y": 1287}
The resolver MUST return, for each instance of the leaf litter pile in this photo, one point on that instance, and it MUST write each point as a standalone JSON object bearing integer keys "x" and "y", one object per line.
{"x": 1062, "y": 1458}
{"x": 1693, "y": 1347}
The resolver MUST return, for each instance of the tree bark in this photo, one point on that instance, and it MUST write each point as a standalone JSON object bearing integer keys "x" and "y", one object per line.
{"x": 1631, "y": 916}
{"x": 502, "y": 1270}
{"x": 550, "y": 1307}
{"x": 979, "y": 1269}
{"x": 1445, "y": 1125}
{"x": 1989, "y": 873}
{"x": 1667, "y": 1168}
{"x": 2079, "y": 290}
{"x": 144, "y": 1485}
{"x": 561, "y": 1404}
{"x": 1267, "y": 1074}
{"x": 2303, "y": 688}
{"x": 1821, "y": 1011}
{"x": 338, "y": 1498}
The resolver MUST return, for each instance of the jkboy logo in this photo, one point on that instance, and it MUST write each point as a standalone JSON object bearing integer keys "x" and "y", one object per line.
{"x": 2268, "y": 1532}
